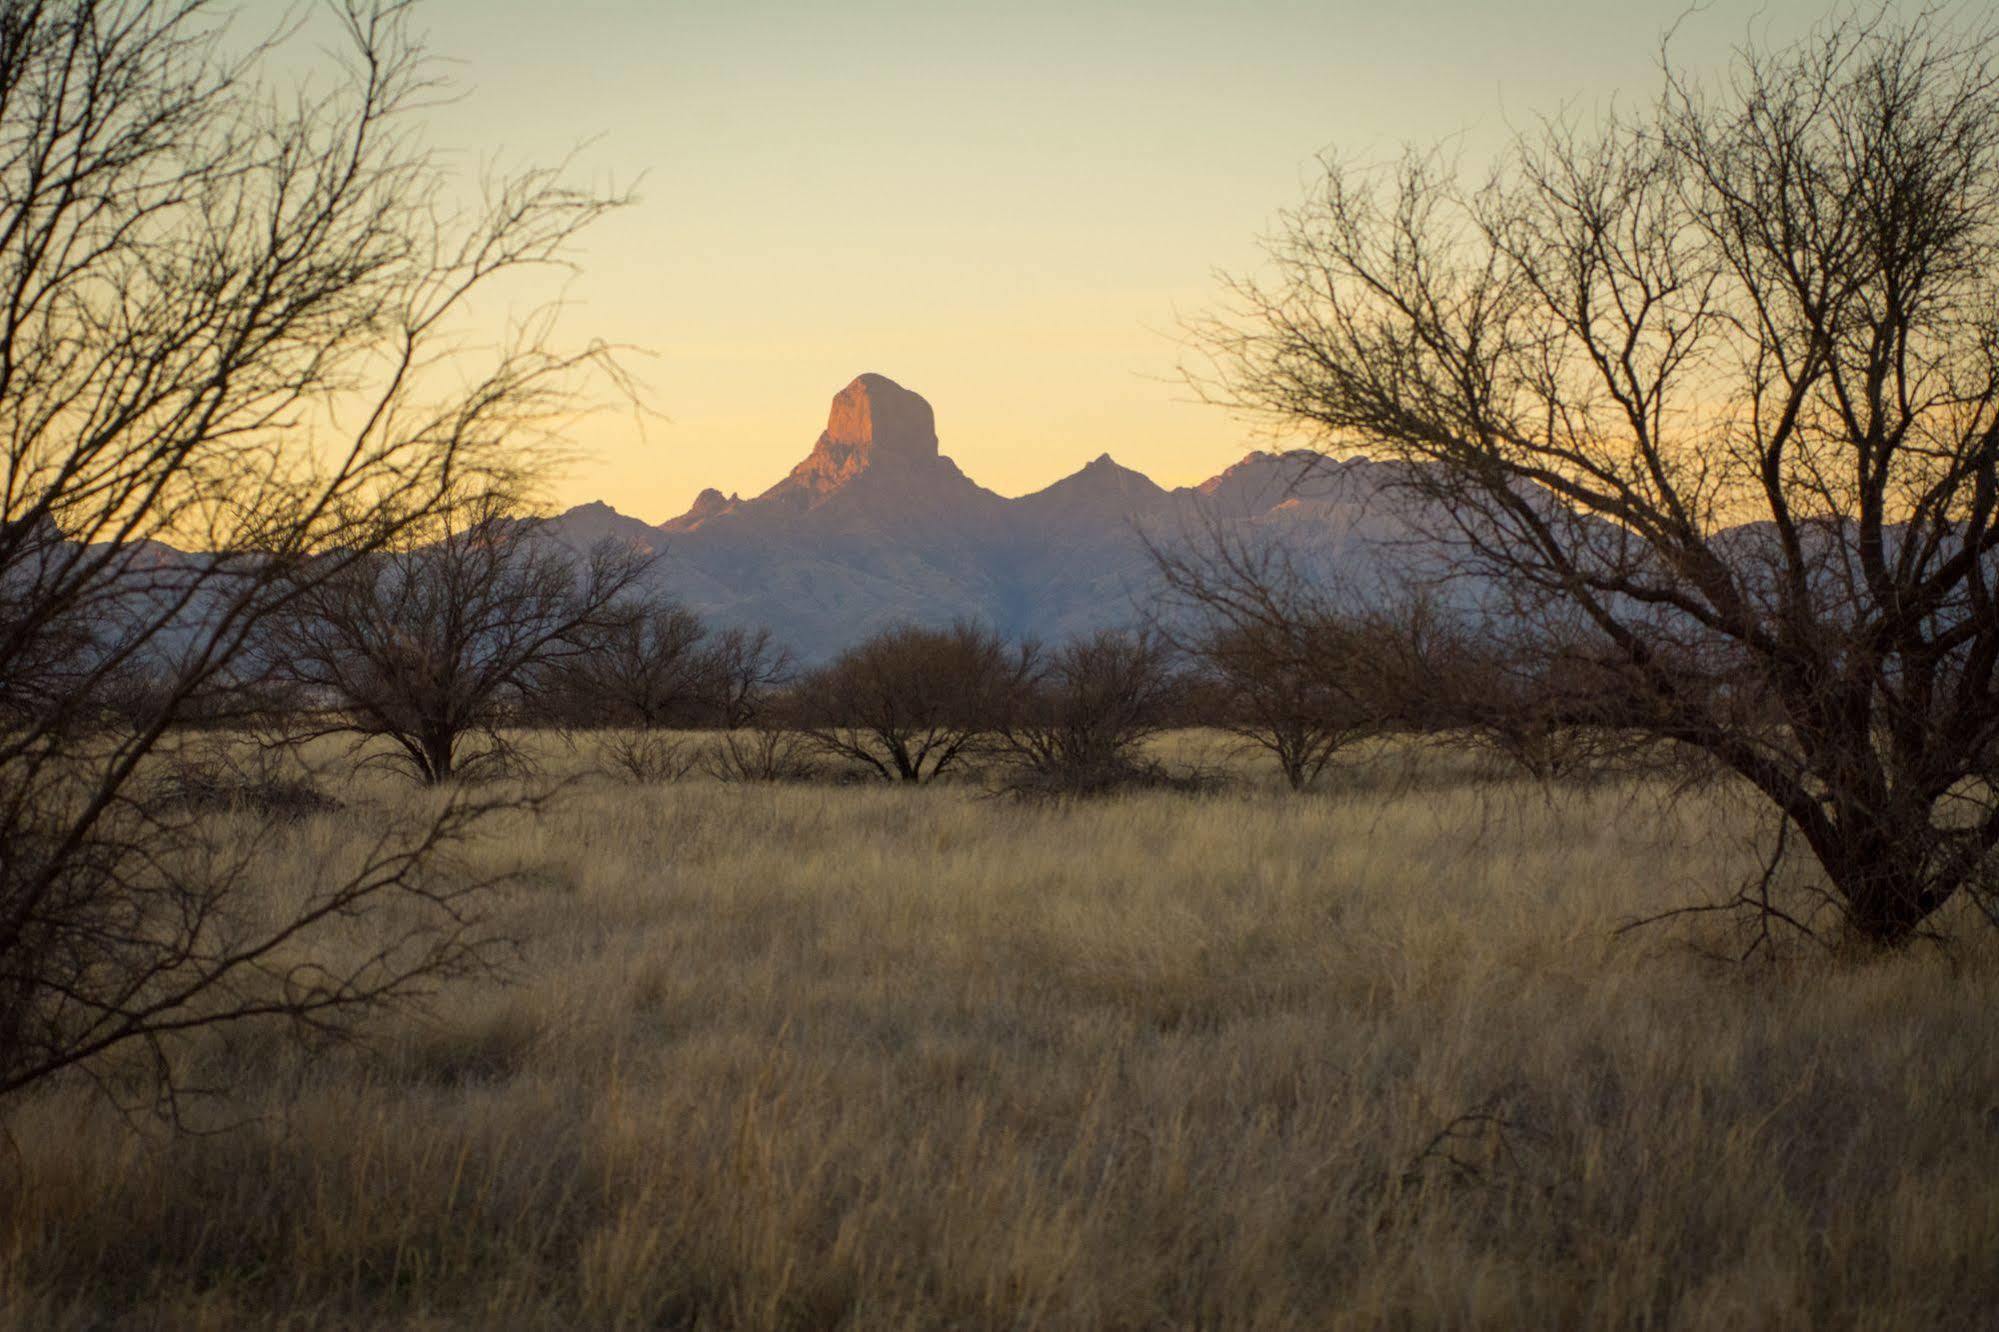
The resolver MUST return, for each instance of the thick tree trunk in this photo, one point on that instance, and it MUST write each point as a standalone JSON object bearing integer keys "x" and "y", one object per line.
{"x": 1886, "y": 886}
{"x": 437, "y": 757}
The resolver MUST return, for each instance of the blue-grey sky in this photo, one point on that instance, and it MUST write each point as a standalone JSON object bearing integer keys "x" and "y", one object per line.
{"x": 1002, "y": 206}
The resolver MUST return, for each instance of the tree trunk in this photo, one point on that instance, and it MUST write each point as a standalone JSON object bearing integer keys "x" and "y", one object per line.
{"x": 437, "y": 757}
{"x": 1885, "y": 884}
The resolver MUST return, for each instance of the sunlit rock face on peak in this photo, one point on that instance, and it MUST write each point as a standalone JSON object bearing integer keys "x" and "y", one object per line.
{"x": 876, "y": 414}
{"x": 875, "y": 425}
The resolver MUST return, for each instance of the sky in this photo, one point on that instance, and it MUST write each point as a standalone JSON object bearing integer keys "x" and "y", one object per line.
{"x": 1004, "y": 207}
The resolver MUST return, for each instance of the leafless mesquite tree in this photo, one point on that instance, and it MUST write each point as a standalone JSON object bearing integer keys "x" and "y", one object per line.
{"x": 648, "y": 667}
{"x": 1528, "y": 705}
{"x": 911, "y": 703}
{"x": 1292, "y": 663}
{"x": 647, "y": 670}
{"x": 1082, "y": 724}
{"x": 1294, "y": 693}
{"x": 745, "y": 669}
{"x": 1717, "y": 383}
{"x": 1302, "y": 663}
{"x": 767, "y": 750}
{"x": 433, "y": 643}
{"x": 231, "y": 323}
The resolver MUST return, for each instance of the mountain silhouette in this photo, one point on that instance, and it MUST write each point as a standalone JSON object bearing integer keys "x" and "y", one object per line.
{"x": 876, "y": 525}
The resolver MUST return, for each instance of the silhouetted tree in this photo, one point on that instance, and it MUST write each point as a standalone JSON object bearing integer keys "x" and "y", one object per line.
{"x": 1296, "y": 693}
{"x": 1083, "y": 725}
{"x": 1712, "y": 389}
{"x": 1289, "y": 663}
{"x": 910, "y": 703}
{"x": 436, "y": 640}
{"x": 646, "y": 666}
{"x": 766, "y": 750}
{"x": 744, "y": 669}
{"x": 196, "y": 275}
{"x": 1527, "y": 702}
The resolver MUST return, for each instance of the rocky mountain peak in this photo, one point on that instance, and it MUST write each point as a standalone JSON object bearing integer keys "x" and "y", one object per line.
{"x": 875, "y": 424}
{"x": 1104, "y": 475}
{"x": 876, "y": 413}
{"x": 708, "y": 504}
{"x": 1101, "y": 496}
{"x": 1106, "y": 467}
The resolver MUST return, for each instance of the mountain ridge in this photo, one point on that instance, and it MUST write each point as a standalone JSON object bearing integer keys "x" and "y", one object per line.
{"x": 877, "y": 525}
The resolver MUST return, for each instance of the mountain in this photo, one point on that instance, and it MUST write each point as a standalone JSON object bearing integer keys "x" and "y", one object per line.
{"x": 1102, "y": 488}
{"x": 876, "y": 525}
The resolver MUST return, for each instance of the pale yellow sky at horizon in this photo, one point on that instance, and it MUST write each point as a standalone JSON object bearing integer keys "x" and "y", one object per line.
{"x": 1000, "y": 208}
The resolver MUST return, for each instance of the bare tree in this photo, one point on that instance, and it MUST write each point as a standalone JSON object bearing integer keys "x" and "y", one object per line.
{"x": 1295, "y": 693}
{"x": 1291, "y": 662}
{"x": 436, "y": 640}
{"x": 1714, "y": 390}
{"x": 766, "y": 750}
{"x": 647, "y": 669}
{"x": 1083, "y": 725}
{"x": 744, "y": 673}
{"x": 1537, "y": 706}
{"x": 230, "y": 326}
{"x": 744, "y": 669}
{"x": 1305, "y": 655}
{"x": 910, "y": 703}
{"x": 647, "y": 666}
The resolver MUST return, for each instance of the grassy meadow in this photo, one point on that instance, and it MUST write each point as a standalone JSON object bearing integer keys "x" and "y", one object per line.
{"x": 846, "y": 1055}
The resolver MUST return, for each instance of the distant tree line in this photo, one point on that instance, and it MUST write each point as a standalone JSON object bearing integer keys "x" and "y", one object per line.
{"x": 436, "y": 651}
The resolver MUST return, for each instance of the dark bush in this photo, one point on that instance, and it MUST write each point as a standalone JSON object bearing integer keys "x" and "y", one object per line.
{"x": 214, "y": 784}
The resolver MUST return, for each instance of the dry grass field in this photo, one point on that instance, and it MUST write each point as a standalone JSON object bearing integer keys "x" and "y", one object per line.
{"x": 812, "y": 1056}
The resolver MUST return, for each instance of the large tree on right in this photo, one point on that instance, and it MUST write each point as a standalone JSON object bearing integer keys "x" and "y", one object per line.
{"x": 1709, "y": 393}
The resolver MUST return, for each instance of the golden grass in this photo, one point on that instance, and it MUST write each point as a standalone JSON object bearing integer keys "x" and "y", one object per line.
{"x": 815, "y": 1056}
